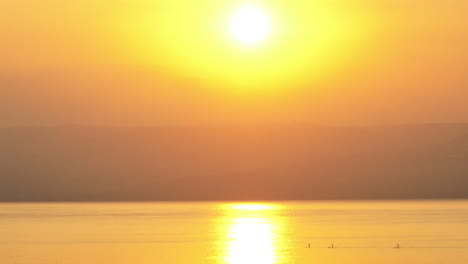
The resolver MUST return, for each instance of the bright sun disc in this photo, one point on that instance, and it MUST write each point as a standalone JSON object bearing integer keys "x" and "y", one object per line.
{"x": 250, "y": 25}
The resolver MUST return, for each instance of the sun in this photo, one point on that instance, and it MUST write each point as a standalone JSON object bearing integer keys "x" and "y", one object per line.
{"x": 250, "y": 25}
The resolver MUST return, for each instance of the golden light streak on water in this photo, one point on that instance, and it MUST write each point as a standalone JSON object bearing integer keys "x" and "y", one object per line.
{"x": 252, "y": 234}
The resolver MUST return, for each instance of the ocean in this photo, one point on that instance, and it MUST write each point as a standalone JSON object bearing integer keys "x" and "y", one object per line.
{"x": 300, "y": 232}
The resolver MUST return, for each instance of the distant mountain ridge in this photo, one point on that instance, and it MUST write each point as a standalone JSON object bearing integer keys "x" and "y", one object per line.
{"x": 238, "y": 162}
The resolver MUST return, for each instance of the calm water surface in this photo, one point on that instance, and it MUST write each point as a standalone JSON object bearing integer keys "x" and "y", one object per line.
{"x": 235, "y": 233}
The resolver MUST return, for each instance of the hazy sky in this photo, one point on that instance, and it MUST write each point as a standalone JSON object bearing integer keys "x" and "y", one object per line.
{"x": 156, "y": 62}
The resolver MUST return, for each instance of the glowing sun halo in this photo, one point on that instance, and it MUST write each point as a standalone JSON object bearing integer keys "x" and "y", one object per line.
{"x": 249, "y": 25}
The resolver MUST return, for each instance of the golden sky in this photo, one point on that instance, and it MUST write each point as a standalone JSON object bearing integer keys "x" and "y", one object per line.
{"x": 176, "y": 61}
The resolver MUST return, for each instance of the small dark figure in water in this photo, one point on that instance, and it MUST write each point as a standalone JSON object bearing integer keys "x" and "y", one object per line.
{"x": 309, "y": 245}
{"x": 397, "y": 246}
{"x": 332, "y": 246}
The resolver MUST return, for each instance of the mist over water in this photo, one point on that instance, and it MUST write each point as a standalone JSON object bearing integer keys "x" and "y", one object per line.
{"x": 235, "y": 233}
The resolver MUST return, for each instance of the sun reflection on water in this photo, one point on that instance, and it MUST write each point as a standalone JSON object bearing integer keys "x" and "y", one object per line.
{"x": 251, "y": 234}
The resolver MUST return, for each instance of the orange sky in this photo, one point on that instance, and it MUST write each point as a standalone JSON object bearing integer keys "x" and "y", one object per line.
{"x": 156, "y": 62}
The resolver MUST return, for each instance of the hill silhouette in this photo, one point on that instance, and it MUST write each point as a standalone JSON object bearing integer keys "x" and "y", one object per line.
{"x": 233, "y": 162}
